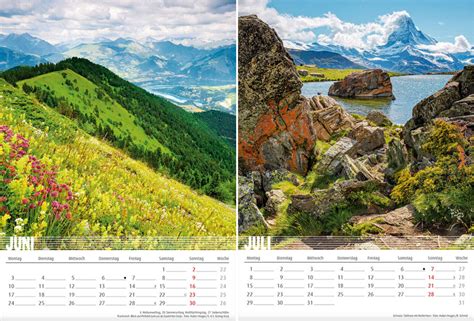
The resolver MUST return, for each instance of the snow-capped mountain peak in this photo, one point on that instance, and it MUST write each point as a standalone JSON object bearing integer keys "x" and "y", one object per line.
{"x": 404, "y": 51}
{"x": 407, "y": 34}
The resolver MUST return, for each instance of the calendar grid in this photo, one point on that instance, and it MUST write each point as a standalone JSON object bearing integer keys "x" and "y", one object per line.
{"x": 295, "y": 284}
{"x": 103, "y": 284}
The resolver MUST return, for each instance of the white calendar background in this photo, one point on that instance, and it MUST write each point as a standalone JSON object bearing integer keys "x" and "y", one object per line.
{"x": 109, "y": 285}
{"x": 236, "y": 285}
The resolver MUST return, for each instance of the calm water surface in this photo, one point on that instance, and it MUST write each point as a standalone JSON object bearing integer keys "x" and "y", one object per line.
{"x": 408, "y": 91}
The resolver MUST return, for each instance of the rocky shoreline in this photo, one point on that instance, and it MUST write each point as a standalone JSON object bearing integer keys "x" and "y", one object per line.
{"x": 307, "y": 167}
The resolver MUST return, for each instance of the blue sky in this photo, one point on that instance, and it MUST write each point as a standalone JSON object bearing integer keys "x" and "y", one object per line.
{"x": 441, "y": 19}
{"x": 365, "y": 24}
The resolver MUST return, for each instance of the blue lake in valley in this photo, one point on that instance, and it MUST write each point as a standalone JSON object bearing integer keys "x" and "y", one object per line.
{"x": 408, "y": 91}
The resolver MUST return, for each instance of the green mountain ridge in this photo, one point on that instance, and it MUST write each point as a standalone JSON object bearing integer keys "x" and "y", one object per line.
{"x": 78, "y": 98}
{"x": 190, "y": 150}
{"x": 90, "y": 188}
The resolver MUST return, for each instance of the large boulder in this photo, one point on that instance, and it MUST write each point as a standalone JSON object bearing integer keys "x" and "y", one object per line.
{"x": 397, "y": 222}
{"x": 430, "y": 107}
{"x": 331, "y": 160}
{"x": 459, "y": 108}
{"x": 368, "y": 138}
{"x": 454, "y": 100}
{"x": 374, "y": 83}
{"x": 320, "y": 102}
{"x": 275, "y": 124}
{"x": 329, "y": 117}
{"x": 465, "y": 78}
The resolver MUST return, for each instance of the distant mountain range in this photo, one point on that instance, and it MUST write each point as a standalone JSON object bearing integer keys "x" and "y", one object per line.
{"x": 11, "y": 58}
{"x": 27, "y": 44}
{"x": 127, "y": 56}
{"x": 158, "y": 66}
{"x": 403, "y": 52}
{"x": 322, "y": 59}
{"x": 216, "y": 66}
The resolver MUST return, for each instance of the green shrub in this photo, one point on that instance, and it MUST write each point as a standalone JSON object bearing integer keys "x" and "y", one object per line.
{"x": 368, "y": 227}
{"x": 302, "y": 224}
{"x": 337, "y": 218}
{"x": 442, "y": 192}
{"x": 317, "y": 180}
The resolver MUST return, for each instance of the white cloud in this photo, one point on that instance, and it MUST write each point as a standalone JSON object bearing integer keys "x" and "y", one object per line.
{"x": 324, "y": 39}
{"x": 202, "y": 23}
{"x": 350, "y": 35}
{"x": 461, "y": 44}
{"x": 361, "y": 36}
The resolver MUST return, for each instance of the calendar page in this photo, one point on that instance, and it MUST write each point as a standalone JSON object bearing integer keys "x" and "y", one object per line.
{"x": 254, "y": 160}
{"x": 343, "y": 285}
{"x": 113, "y": 285}
{"x": 282, "y": 279}
{"x": 264, "y": 279}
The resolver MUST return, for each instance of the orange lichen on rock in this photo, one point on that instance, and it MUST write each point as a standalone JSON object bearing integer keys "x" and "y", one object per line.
{"x": 275, "y": 123}
{"x": 290, "y": 131}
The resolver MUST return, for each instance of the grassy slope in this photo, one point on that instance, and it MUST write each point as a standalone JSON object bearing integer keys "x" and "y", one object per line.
{"x": 331, "y": 74}
{"x": 109, "y": 112}
{"x": 114, "y": 194}
{"x": 199, "y": 157}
